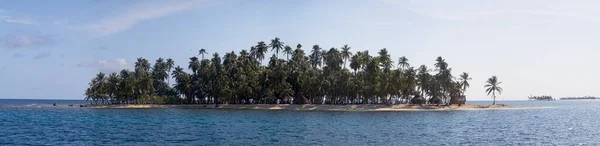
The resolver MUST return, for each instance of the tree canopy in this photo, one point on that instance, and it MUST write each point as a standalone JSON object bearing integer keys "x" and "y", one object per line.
{"x": 315, "y": 76}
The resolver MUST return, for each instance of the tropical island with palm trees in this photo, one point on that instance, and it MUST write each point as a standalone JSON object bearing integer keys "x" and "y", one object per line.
{"x": 321, "y": 79}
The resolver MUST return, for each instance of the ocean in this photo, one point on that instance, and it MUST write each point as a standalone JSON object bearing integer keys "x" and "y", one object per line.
{"x": 36, "y": 122}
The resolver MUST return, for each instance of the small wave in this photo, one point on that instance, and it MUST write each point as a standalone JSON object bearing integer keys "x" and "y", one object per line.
{"x": 31, "y": 105}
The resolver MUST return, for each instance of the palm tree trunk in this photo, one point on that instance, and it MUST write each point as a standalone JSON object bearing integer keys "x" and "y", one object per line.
{"x": 494, "y": 96}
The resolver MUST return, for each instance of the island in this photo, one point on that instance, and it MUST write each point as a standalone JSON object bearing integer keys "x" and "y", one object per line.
{"x": 314, "y": 107}
{"x": 543, "y": 97}
{"x": 292, "y": 78}
{"x": 578, "y": 98}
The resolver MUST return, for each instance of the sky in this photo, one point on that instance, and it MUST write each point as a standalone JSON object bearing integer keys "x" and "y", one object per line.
{"x": 52, "y": 49}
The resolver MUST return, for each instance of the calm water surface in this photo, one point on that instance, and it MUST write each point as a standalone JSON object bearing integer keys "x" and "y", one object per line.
{"x": 34, "y": 122}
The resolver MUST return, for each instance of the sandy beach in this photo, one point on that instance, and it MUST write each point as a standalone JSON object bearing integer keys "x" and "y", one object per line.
{"x": 319, "y": 107}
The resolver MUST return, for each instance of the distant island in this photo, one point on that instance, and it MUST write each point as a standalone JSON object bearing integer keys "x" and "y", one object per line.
{"x": 543, "y": 97}
{"x": 578, "y": 98}
{"x": 333, "y": 76}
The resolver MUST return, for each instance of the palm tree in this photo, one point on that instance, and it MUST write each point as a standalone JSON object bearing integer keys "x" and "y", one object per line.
{"x": 346, "y": 54}
{"x": 183, "y": 83}
{"x": 385, "y": 60}
{"x": 316, "y": 56}
{"x": 403, "y": 62}
{"x": 170, "y": 64}
{"x": 217, "y": 78}
{"x": 194, "y": 64}
{"x": 355, "y": 62}
{"x": 492, "y": 86}
{"x": 113, "y": 86}
{"x": 423, "y": 78}
{"x": 143, "y": 80}
{"x": 202, "y": 52}
{"x": 464, "y": 81}
{"x": 259, "y": 50}
{"x": 288, "y": 51}
{"x": 99, "y": 87}
{"x": 276, "y": 45}
{"x": 142, "y": 65}
{"x": 440, "y": 63}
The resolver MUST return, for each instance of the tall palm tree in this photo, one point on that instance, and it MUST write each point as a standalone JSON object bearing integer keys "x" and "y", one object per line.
{"x": 194, "y": 65}
{"x": 260, "y": 50}
{"x": 355, "y": 62}
{"x": 142, "y": 64}
{"x": 403, "y": 62}
{"x": 217, "y": 77}
{"x": 126, "y": 85}
{"x": 440, "y": 63}
{"x": 464, "y": 81}
{"x": 202, "y": 52}
{"x": 346, "y": 54}
{"x": 170, "y": 65}
{"x": 423, "y": 78}
{"x": 113, "y": 86}
{"x": 288, "y": 51}
{"x": 100, "y": 87}
{"x": 385, "y": 60}
{"x": 276, "y": 45}
{"x": 492, "y": 86}
{"x": 144, "y": 82}
{"x": 316, "y": 56}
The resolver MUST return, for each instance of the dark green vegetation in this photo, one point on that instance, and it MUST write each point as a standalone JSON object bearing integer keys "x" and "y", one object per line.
{"x": 299, "y": 77}
{"x": 543, "y": 97}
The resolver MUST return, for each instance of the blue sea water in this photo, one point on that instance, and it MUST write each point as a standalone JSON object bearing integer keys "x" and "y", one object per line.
{"x": 36, "y": 122}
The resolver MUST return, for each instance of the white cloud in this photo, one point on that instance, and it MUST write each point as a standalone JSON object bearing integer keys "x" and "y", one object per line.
{"x": 474, "y": 15}
{"x": 9, "y": 19}
{"x": 120, "y": 23}
{"x": 13, "y": 41}
{"x": 107, "y": 65}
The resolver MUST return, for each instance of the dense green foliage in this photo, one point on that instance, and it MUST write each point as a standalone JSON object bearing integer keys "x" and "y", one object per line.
{"x": 543, "y": 97}
{"x": 332, "y": 76}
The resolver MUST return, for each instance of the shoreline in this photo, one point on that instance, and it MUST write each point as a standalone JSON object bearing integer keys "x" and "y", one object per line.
{"x": 313, "y": 107}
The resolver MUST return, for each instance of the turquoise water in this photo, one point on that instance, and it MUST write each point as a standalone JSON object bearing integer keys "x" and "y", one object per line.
{"x": 35, "y": 122}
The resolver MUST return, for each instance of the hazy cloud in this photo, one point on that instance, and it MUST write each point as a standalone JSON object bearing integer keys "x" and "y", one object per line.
{"x": 107, "y": 65}
{"x": 18, "y": 55}
{"x": 128, "y": 19}
{"x": 473, "y": 15}
{"x": 42, "y": 55}
{"x": 13, "y": 41}
{"x": 100, "y": 47}
{"x": 60, "y": 22}
{"x": 10, "y": 19}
